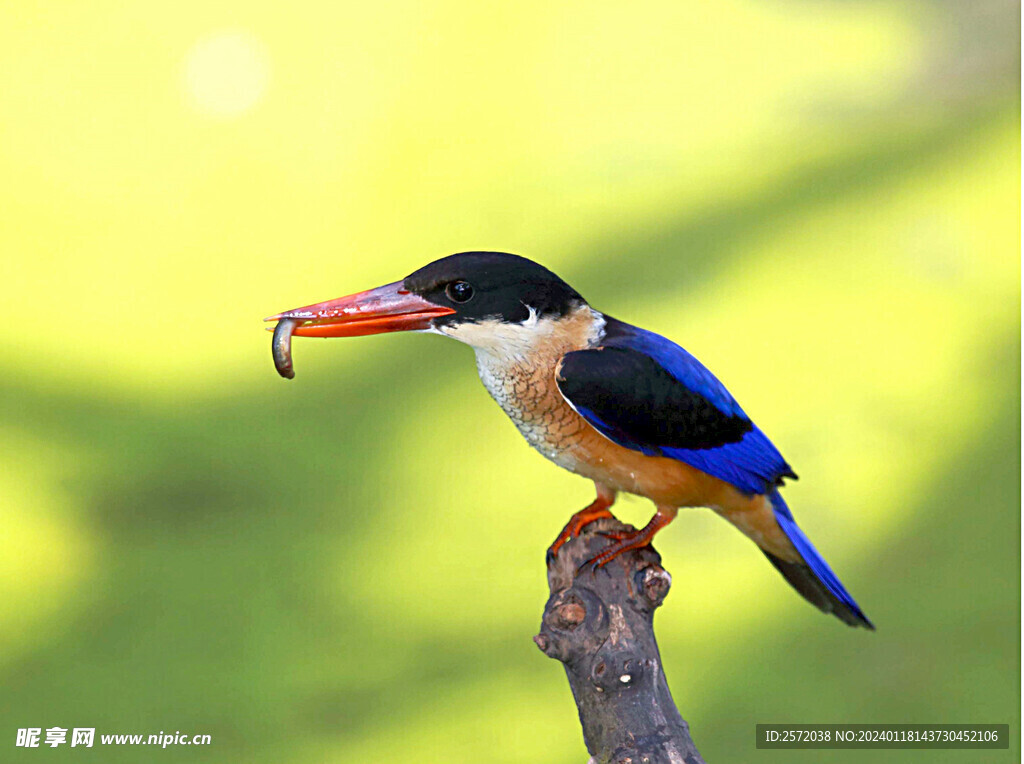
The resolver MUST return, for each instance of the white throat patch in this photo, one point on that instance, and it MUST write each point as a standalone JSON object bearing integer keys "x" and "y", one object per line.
{"x": 517, "y": 363}
{"x": 529, "y": 341}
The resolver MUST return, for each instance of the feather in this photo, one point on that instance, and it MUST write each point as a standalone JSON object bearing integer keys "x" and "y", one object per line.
{"x": 646, "y": 393}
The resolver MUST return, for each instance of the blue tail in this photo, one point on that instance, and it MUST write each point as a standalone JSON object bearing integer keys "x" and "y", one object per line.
{"x": 813, "y": 578}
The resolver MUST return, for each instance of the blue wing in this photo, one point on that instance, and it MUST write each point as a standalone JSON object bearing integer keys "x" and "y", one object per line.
{"x": 646, "y": 393}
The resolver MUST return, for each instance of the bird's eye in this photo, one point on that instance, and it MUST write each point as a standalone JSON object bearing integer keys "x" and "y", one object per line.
{"x": 459, "y": 291}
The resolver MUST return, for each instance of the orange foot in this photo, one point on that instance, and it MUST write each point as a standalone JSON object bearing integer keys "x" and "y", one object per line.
{"x": 626, "y": 541}
{"x": 595, "y": 511}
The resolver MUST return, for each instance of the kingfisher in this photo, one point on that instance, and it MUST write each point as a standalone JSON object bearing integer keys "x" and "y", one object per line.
{"x": 619, "y": 405}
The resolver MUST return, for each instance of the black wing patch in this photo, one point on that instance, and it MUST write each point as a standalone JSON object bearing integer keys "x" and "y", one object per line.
{"x": 641, "y": 405}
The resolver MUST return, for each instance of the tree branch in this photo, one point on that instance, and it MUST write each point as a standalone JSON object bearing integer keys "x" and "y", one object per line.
{"x": 600, "y": 625}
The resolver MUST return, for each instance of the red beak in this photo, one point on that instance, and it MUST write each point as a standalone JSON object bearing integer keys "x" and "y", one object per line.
{"x": 388, "y": 308}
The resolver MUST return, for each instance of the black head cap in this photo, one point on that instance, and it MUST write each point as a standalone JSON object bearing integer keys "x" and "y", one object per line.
{"x": 481, "y": 285}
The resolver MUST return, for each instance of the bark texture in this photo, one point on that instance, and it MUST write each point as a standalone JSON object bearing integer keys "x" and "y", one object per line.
{"x": 600, "y": 626}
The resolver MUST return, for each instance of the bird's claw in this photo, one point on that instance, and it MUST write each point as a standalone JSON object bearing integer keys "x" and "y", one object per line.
{"x": 575, "y": 526}
{"x": 591, "y": 566}
{"x": 623, "y": 541}
{"x": 599, "y": 560}
{"x": 614, "y": 535}
{"x": 607, "y": 554}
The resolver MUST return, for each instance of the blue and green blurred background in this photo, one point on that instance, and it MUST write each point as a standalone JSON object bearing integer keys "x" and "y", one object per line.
{"x": 818, "y": 199}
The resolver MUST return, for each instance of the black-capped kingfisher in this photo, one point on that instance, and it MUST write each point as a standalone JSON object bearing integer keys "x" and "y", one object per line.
{"x": 625, "y": 407}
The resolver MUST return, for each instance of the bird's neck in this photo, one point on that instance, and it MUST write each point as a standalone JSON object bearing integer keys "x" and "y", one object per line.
{"x": 538, "y": 344}
{"x": 519, "y": 373}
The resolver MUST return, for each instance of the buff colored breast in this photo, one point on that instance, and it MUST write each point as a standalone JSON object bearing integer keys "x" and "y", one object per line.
{"x": 525, "y": 388}
{"x": 523, "y": 384}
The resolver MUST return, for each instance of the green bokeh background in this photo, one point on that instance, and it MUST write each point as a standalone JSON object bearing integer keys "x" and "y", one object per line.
{"x": 818, "y": 199}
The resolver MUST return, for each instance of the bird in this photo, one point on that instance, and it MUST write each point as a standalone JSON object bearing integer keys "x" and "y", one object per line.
{"x": 622, "y": 406}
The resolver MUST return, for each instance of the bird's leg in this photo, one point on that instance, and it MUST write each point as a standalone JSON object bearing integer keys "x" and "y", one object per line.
{"x": 597, "y": 509}
{"x": 626, "y": 541}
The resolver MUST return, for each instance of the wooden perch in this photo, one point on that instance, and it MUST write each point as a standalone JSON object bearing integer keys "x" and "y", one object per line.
{"x": 600, "y": 625}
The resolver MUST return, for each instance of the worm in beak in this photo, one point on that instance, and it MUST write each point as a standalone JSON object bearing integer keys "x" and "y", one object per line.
{"x": 282, "y": 346}
{"x": 390, "y": 308}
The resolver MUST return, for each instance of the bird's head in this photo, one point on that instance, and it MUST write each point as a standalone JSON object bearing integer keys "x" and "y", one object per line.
{"x": 490, "y": 300}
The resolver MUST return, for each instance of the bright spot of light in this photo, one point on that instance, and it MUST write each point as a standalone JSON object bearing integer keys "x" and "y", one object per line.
{"x": 226, "y": 74}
